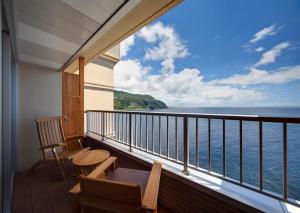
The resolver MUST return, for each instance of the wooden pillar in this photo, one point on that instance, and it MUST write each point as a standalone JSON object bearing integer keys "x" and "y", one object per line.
{"x": 81, "y": 92}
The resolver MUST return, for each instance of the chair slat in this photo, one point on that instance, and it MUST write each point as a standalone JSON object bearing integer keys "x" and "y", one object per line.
{"x": 44, "y": 133}
{"x": 50, "y": 131}
{"x": 55, "y": 133}
{"x": 51, "y": 135}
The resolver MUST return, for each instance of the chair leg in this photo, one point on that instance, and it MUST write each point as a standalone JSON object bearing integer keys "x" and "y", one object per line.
{"x": 59, "y": 164}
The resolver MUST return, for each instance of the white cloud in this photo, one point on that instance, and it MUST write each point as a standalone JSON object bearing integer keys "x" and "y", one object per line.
{"x": 186, "y": 88}
{"x": 129, "y": 73}
{"x": 189, "y": 88}
{"x": 265, "y": 32}
{"x": 167, "y": 66}
{"x": 166, "y": 43}
{"x": 271, "y": 55}
{"x": 126, "y": 45}
{"x": 256, "y": 76}
{"x": 259, "y": 49}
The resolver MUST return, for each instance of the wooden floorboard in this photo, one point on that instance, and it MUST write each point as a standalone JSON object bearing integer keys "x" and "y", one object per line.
{"x": 57, "y": 196}
{"x": 44, "y": 191}
{"x": 39, "y": 194}
{"x": 22, "y": 194}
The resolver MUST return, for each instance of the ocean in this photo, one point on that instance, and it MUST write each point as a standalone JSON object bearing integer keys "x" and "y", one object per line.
{"x": 272, "y": 144}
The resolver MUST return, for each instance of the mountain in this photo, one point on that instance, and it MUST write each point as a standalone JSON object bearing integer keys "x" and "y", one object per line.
{"x": 128, "y": 101}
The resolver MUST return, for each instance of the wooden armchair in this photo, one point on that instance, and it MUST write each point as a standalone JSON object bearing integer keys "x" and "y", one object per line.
{"x": 120, "y": 190}
{"x": 53, "y": 142}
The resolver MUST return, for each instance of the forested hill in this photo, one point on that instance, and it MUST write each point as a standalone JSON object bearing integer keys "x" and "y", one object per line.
{"x": 128, "y": 101}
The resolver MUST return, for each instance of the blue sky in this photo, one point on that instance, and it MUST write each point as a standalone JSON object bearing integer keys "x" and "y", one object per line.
{"x": 217, "y": 53}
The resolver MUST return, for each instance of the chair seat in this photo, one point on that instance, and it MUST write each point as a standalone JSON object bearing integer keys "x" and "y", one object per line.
{"x": 67, "y": 154}
{"x": 130, "y": 176}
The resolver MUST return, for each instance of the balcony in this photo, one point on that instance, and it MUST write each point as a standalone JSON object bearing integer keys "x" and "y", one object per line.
{"x": 49, "y": 54}
{"x": 215, "y": 174}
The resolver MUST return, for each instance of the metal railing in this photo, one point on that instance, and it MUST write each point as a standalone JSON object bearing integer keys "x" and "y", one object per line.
{"x": 167, "y": 135}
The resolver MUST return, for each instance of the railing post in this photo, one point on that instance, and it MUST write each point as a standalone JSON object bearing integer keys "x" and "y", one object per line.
{"x": 129, "y": 134}
{"x": 285, "y": 181}
{"x": 185, "y": 146}
{"x": 87, "y": 121}
{"x": 103, "y": 126}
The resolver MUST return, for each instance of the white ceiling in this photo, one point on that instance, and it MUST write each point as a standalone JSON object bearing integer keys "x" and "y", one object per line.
{"x": 49, "y": 32}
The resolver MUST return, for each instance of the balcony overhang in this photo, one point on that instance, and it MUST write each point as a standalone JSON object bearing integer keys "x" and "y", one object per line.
{"x": 55, "y": 33}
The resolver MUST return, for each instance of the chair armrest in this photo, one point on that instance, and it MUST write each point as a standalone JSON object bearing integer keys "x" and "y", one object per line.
{"x": 97, "y": 173}
{"x": 103, "y": 167}
{"x": 52, "y": 146}
{"x": 151, "y": 193}
{"x": 77, "y": 139}
{"x": 80, "y": 144}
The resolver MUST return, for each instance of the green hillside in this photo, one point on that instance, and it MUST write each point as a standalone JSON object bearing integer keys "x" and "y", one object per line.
{"x": 128, "y": 101}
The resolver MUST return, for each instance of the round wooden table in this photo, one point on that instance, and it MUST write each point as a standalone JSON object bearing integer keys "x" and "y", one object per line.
{"x": 89, "y": 160}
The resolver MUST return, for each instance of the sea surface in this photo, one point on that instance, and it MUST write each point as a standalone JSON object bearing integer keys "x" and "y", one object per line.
{"x": 272, "y": 144}
{"x": 146, "y": 135}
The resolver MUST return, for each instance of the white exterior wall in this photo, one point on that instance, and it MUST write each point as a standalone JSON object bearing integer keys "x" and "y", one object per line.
{"x": 98, "y": 90}
{"x": 39, "y": 94}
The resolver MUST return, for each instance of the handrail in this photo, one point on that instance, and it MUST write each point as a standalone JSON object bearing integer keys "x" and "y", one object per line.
{"x": 295, "y": 120}
{"x": 130, "y": 127}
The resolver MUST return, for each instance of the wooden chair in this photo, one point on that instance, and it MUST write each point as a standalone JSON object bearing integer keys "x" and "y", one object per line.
{"x": 119, "y": 190}
{"x": 53, "y": 142}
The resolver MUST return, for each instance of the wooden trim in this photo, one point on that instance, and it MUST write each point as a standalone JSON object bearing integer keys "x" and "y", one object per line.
{"x": 81, "y": 91}
{"x": 151, "y": 193}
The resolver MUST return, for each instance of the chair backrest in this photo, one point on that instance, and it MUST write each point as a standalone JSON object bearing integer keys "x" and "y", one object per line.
{"x": 50, "y": 131}
{"x": 114, "y": 191}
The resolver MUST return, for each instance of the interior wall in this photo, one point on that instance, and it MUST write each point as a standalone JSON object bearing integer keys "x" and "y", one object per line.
{"x": 39, "y": 94}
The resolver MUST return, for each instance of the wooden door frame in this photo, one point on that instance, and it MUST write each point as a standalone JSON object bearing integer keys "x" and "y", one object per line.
{"x": 81, "y": 93}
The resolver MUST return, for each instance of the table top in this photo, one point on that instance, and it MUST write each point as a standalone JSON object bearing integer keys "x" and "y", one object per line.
{"x": 91, "y": 158}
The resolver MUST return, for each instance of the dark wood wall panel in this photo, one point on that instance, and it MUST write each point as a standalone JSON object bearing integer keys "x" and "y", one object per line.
{"x": 177, "y": 193}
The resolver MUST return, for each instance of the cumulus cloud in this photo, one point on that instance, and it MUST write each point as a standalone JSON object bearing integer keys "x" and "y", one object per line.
{"x": 271, "y": 55}
{"x": 129, "y": 73}
{"x": 167, "y": 45}
{"x": 256, "y": 76}
{"x": 126, "y": 45}
{"x": 186, "y": 87}
{"x": 167, "y": 66}
{"x": 265, "y": 32}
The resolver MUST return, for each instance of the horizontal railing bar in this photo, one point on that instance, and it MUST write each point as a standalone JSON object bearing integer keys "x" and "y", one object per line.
{"x": 211, "y": 116}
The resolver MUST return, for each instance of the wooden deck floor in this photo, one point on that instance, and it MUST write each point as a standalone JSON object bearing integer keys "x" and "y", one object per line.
{"x": 44, "y": 191}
